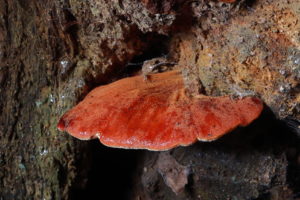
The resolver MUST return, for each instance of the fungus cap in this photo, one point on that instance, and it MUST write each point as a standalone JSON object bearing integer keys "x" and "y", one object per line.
{"x": 155, "y": 114}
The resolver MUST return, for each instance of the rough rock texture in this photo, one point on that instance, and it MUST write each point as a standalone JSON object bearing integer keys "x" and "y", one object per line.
{"x": 36, "y": 161}
{"x": 250, "y": 163}
{"x": 53, "y": 52}
{"x": 254, "y": 52}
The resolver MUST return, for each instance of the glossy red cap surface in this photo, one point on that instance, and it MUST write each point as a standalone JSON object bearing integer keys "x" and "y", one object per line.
{"x": 155, "y": 114}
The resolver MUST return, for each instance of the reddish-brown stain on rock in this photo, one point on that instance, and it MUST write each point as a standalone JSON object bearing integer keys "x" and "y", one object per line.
{"x": 156, "y": 114}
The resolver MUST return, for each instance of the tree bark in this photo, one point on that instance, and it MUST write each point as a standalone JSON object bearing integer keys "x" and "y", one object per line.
{"x": 53, "y": 52}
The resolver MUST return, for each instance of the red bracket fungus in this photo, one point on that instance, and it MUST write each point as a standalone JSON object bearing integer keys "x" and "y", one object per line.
{"x": 155, "y": 114}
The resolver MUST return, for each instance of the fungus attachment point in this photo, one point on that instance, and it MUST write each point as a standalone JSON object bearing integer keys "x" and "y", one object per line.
{"x": 155, "y": 115}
